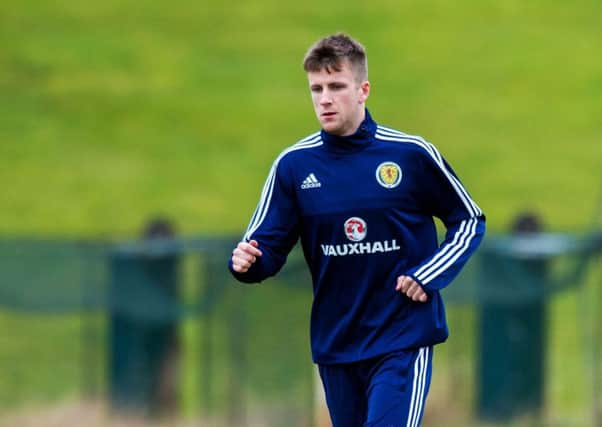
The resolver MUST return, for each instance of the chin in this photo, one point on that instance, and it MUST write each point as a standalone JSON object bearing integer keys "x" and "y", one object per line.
{"x": 331, "y": 128}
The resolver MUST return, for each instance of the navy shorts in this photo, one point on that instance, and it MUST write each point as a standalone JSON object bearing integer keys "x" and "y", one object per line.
{"x": 386, "y": 391}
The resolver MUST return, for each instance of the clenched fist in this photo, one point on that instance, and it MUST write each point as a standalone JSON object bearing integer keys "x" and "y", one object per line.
{"x": 244, "y": 256}
{"x": 408, "y": 286}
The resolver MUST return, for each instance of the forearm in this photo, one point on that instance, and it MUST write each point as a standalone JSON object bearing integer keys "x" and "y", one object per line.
{"x": 462, "y": 240}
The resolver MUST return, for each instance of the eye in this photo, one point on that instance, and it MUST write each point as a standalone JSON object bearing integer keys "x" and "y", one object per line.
{"x": 316, "y": 89}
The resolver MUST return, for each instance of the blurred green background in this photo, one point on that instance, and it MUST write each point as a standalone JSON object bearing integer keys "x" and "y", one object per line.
{"x": 113, "y": 111}
{"x": 117, "y": 111}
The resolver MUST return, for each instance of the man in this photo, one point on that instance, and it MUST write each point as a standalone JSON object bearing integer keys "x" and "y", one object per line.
{"x": 362, "y": 197}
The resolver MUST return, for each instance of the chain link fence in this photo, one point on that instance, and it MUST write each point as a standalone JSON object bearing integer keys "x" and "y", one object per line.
{"x": 156, "y": 329}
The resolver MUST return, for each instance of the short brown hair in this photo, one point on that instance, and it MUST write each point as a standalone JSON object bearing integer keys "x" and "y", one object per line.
{"x": 330, "y": 52}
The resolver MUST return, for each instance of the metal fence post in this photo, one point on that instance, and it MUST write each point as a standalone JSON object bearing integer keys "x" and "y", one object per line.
{"x": 512, "y": 334}
{"x": 143, "y": 326}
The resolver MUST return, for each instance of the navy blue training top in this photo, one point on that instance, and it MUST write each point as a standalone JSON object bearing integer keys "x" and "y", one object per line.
{"x": 363, "y": 207}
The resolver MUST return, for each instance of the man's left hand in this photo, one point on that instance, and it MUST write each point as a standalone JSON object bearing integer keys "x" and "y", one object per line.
{"x": 408, "y": 286}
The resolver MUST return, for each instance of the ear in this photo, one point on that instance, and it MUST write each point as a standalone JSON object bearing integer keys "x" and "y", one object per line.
{"x": 365, "y": 91}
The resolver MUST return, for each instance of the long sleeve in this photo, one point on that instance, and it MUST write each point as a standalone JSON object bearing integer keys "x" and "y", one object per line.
{"x": 444, "y": 196}
{"x": 274, "y": 226}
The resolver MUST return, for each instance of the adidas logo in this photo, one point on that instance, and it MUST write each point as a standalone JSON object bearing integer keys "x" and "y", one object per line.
{"x": 310, "y": 182}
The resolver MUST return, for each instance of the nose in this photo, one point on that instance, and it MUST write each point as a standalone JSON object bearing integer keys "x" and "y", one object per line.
{"x": 325, "y": 98}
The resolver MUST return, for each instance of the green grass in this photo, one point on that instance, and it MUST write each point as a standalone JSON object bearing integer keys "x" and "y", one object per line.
{"x": 114, "y": 112}
{"x": 35, "y": 338}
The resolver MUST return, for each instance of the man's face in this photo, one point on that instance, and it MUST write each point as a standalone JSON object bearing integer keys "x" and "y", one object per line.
{"x": 338, "y": 99}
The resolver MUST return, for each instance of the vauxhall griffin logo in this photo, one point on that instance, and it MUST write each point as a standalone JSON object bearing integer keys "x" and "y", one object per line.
{"x": 355, "y": 229}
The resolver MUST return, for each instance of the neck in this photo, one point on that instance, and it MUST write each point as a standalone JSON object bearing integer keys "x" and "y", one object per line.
{"x": 357, "y": 122}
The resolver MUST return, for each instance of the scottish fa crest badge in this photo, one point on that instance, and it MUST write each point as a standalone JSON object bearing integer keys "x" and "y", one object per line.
{"x": 388, "y": 174}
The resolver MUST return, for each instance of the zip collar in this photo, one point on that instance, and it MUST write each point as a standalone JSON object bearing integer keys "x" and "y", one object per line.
{"x": 362, "y": 138}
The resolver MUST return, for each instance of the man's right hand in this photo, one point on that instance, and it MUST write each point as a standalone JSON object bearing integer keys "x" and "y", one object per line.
{"x": 244, "y": 256}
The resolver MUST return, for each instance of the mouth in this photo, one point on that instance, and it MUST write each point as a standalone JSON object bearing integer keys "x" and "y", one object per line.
{"x": 328, "y": 114}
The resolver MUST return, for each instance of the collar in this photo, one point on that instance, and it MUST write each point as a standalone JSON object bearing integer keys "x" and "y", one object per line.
{"x": 359, "y": 140}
